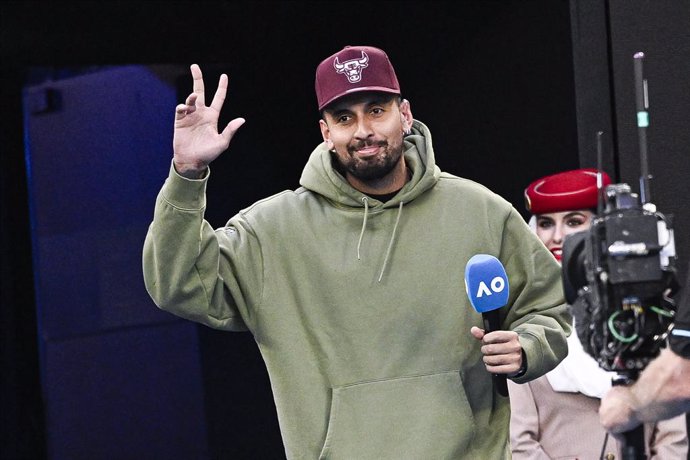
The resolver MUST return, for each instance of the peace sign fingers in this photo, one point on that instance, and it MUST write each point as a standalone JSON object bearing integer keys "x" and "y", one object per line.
{"x": 198, "y": 83}
{"x": 219, "y": 97}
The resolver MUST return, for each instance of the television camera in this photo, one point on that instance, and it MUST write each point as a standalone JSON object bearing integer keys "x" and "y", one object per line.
{"x": 619, "y": 276}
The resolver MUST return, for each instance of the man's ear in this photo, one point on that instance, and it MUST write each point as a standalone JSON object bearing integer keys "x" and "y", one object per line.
{"x": 326, "y": 133}
{"x": 406, "y": 116}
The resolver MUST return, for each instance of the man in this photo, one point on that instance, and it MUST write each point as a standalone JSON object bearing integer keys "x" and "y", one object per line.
{"x": 352, "y": 285}
{"x": 663, "y": 388}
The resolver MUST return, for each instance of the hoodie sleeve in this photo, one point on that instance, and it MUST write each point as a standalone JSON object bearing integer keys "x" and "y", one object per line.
{"x": 538, "y": 311}
{"x": 209, "y": 276}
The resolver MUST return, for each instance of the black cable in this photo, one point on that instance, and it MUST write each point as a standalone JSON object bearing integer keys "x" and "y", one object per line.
{"x": 603, "y": 448}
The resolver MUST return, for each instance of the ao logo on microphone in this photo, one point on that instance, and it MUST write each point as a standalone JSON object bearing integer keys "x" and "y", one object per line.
{"x": 486, "y": 282}
{"x": 497, "y": 285}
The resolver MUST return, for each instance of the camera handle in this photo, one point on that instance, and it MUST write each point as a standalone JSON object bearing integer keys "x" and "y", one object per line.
{"x": 633, "y": 447}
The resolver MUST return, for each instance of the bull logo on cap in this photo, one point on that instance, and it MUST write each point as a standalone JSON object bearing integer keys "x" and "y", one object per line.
{"x": 352, "y": 68}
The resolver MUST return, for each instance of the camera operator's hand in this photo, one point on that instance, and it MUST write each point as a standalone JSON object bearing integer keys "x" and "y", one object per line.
{"x": 196, "y": 141}
{"x": 501, "y": 349}
{"x": 661, "y": 392}
{"x": 616, "y": 412}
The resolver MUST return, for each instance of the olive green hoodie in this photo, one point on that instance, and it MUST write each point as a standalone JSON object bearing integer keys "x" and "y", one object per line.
{"x": 359, "y": 307}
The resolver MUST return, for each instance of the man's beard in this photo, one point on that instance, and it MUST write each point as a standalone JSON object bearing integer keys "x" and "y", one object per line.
{"x": 373, "y": 168}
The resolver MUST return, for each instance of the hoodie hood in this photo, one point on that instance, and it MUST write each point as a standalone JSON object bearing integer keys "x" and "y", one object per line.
{"x": 320, "y": 176}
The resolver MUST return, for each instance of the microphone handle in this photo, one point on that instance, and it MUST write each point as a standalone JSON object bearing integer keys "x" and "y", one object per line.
{"x": 492, "y": 322}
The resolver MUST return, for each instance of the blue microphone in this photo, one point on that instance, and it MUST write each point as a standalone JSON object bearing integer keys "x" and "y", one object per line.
{"x": 486, "y": 283}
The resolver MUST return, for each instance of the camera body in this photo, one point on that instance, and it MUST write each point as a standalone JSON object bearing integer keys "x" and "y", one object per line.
{"x": 619, "y": 277}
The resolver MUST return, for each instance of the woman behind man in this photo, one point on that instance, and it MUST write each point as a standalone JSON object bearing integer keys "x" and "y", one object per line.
{"x": 556, "y": 416}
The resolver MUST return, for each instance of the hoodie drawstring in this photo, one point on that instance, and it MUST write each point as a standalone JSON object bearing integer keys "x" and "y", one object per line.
{"x": 390, "y": 243}
{"x": 365, "y": 200}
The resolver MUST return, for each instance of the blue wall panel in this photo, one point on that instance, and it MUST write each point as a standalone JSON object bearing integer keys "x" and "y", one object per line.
{"x": 129, "y": 394}
{"x": 120, "y": 378}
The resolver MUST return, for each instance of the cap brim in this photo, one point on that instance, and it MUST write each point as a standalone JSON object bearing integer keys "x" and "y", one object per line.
{"x": 380, "y": 89}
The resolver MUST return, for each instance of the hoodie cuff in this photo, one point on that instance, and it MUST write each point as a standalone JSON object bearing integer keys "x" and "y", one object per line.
{"x": 183, "y": 193}
{"x": 532, "y": 359}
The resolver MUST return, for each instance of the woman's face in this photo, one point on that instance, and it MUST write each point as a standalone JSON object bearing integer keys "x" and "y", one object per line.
{"x": 553, "y": 227}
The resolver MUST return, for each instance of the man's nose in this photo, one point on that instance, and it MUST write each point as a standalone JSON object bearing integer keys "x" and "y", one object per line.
{"x": 364, "y": 129}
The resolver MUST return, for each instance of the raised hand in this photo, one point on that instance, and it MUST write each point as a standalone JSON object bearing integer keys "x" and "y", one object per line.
{"x": 196, "y": 140}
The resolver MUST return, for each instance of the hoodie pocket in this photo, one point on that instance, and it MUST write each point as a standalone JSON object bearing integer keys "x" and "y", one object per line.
{"x": 418, "y": 417}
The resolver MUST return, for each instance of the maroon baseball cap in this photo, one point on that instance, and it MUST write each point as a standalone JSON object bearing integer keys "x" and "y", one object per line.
{"x": 352, "y": 69}
{"x": 564, "y": 191}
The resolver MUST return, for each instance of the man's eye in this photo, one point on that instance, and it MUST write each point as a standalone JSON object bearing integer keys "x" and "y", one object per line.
{"x": 377, "y": 110}
{"x": 344, "y": 118}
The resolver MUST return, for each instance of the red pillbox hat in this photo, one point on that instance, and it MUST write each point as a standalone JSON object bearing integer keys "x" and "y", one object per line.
{"x": 352, "y": 69}
{"x": 565, "y": 191}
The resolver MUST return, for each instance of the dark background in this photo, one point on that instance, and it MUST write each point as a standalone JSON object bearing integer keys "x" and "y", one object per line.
{"x": 511, "y": 91}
